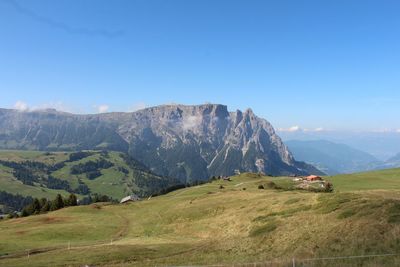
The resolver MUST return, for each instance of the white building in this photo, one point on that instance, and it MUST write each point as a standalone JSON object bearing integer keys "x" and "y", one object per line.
{"x": 131, "y": 198}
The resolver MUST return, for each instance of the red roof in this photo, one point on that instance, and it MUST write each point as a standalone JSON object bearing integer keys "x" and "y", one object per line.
{"x": 313, "y": 178}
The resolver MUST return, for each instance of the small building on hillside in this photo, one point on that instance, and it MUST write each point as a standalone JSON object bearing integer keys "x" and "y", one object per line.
{"x": 131, "y": 198}
{"x": 312, "y": 178}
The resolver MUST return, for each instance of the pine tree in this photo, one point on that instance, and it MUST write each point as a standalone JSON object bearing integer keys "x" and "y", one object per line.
{"x": 36, "y": 206}
{"x": 45, "y": 205}
{"x": 57, "y": 203}
{"x": 72, "y": 200}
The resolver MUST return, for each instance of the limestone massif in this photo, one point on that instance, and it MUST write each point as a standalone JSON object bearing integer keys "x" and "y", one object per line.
{"x": 185, "y": 142}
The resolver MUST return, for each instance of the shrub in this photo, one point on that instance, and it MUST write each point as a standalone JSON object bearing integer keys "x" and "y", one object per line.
{"x": 272, "y": 185}
{"x": 260, "y": 186}
{"x": 328, "y": 187}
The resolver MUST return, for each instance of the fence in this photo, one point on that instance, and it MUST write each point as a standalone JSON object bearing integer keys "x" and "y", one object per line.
{"x": 376, "y": 260}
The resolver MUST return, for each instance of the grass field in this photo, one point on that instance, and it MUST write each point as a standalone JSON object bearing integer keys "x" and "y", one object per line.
{"x": 209, "y": 225}
{"x": 383, "y": 179}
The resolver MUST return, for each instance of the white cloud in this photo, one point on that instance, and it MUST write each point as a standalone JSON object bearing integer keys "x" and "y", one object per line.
{"x": 319, "y": 129}
{"x": 291, "y": 129}
{"x": 191, "y": 122}
{"x": 102, "y": 108}
{"x": 294, "y": 129}
{"x": 137, "y": 106}
{"x": 398, "y": 131}
{"x": 21, "y": 106}
{"x": 299, "y": 129}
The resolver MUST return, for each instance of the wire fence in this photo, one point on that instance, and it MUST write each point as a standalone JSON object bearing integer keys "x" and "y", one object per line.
{"x": 371, "y": 260}
{"x": 374, "y": 260}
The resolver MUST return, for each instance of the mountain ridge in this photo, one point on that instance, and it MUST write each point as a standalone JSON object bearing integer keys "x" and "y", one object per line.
{"x": 189, "y": 142}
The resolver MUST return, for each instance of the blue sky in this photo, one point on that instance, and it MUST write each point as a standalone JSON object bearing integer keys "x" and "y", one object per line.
{"x": 329, "y": 64}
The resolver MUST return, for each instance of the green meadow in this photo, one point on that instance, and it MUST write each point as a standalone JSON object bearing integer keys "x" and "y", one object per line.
{"x": 222, "y": 222}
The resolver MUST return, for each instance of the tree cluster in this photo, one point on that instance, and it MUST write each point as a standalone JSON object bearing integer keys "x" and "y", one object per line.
{"x": 14, "y": 202}
{"x": 96, "y": 198}
{"x": 54, "y": 183}
{"x": 25, "y": 175}
{"x": 44, "y": 205}
{"x": 91, "y": 168}
{"x": 133, "y": 163}
{"x": 79, "y": 155}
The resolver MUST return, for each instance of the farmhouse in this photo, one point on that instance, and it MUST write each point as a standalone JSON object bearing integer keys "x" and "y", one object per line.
{"x": 131, "y": 198}
{"x": 312, "y": 178}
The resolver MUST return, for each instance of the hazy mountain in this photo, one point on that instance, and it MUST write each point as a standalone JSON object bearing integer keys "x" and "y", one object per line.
{"x": 186, "y": 142}
{"x": 332, "y": 158}
{"x": 395, "y": 158}
{"x": 393, "y": 162}
{"x": 382, "y": 145}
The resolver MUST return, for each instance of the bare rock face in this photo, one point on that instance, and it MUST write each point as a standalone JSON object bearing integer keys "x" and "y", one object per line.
{"x": 185, "y": 142}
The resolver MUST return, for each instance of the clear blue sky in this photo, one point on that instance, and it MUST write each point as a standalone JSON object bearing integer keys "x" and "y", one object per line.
{"x": 331, "y": 64}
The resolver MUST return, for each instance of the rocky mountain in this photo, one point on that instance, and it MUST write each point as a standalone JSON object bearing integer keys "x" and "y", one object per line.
{"x": 332, "y": 158}
{"x": 186, "y": 142}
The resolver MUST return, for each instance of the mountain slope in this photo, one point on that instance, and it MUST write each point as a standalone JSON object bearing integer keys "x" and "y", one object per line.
{"x": 332, "y": 158}
{"x": 210, "y": 225}
{"x": 40, "y": 174}
{"x": 186, "y": 142}
{"x": 393, "y": 162}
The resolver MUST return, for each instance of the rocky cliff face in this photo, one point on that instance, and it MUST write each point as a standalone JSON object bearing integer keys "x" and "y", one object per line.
{"x": 186, "y": 142}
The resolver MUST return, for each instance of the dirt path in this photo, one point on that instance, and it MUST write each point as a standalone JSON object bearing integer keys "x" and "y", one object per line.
{"x": 123, "y": 231}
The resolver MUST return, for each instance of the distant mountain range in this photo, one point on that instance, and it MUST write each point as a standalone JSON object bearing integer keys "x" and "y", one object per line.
{"x": 332, "y": 158}
{"x": 382, "y": 145}
{"x": 185, "y": 142}
{"x": 393, "y": 162}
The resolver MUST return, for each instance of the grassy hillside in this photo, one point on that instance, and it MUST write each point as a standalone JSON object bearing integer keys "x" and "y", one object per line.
{"x": 216, "y": 223}
{"x": 122, "y": 178}
{"x": 384, "y": 180}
